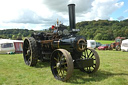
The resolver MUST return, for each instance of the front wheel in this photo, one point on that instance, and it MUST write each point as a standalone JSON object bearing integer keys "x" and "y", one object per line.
{"x": 61, "y": 64}
{"x": 90, "y": 53}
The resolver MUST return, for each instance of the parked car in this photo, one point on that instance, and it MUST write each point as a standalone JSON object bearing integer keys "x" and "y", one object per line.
{"x": 98, "y": 44}
{"x": 104, "y": 47}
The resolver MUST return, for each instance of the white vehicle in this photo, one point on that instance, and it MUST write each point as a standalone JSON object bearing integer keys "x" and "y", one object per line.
{"x": 6, "y": 46}
{"x": 124, "y": 45}
{"x": 91, "y": 44}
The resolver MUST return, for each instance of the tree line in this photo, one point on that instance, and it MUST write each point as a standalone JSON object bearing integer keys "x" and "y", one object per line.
{"x": 16, "y": 34}
{"x": 98, "y": 30}
{"x": 103, "y": 29}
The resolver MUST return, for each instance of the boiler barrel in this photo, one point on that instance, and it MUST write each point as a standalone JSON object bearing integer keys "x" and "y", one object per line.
{"x": 64, "y": 43}
{"x": 76, "y": 43}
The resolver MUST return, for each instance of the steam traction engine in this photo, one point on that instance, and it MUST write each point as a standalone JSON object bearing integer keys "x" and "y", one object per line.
{"x": 63, "y": 48}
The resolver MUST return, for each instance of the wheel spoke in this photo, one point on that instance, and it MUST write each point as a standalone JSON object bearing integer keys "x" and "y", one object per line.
{"x": 59, "y": 56}
{"x": 64, "y": 63}
{"x": 89, "y": 69}
{"x": 65, "y": 68}
{"x": 61, "y": 73}
{"x": 64, "y": 72}
{"x": 55, "y": 66}
{"x": 62, "y": 57}
{"x": 84, "y": 54}
{"x": 89, "y": 54}
{"x": 93, "y": 66}
{"x": 55, "y": 59}
{"x": 92, "y": 55}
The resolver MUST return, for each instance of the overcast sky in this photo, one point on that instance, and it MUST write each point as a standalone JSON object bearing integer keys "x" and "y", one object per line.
{"x": 41, "y": 14}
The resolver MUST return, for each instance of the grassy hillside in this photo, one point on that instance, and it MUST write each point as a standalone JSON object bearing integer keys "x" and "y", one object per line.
{"x": 113, "y": 71}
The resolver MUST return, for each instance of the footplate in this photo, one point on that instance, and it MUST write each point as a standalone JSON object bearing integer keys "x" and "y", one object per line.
{"x": 82, "y": 63}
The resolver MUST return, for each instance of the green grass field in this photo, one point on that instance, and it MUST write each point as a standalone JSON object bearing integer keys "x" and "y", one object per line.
{"x": 105, "y": 41}
{"x": 113, "y": 71}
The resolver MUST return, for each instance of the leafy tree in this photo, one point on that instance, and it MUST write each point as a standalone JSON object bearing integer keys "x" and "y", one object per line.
{"x": 98, "y": 36}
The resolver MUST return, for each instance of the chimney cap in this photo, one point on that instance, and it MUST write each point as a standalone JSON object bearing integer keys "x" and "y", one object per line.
{"x": 71, "y": 4}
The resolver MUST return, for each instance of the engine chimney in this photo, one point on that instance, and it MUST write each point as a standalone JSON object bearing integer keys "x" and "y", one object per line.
{"x": 71, "y": 8}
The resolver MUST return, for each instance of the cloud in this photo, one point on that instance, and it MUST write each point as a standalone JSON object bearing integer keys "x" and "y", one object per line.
{"x": 126, "y": 18}
{"x": 61, "y": 5}
{"x": 56, "y": 5}
{"x": 28, "y": 16}
{"x": 41, "y": 14}
{"x": 61, "y": 8}
{"x": 111, "y": 19}
{"x": 126, "y": 11}
{"x": 101, "y": 9}
{"x": 121, "y": 18}
{"x": 86, "y": 9}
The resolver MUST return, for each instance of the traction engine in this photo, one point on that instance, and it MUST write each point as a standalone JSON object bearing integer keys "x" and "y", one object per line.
{"x": 64, "y": 48}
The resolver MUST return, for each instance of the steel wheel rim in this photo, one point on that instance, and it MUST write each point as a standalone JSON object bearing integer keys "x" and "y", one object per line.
{"x": 61, "y": 61}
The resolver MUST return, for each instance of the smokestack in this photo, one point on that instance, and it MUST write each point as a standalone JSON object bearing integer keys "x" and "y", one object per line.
{"x": 71, "y": 8}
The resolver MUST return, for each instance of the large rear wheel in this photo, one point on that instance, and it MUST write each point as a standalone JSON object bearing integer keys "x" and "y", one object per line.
{"x": 61, "y": 64}
{"x": 30, "y": 51}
